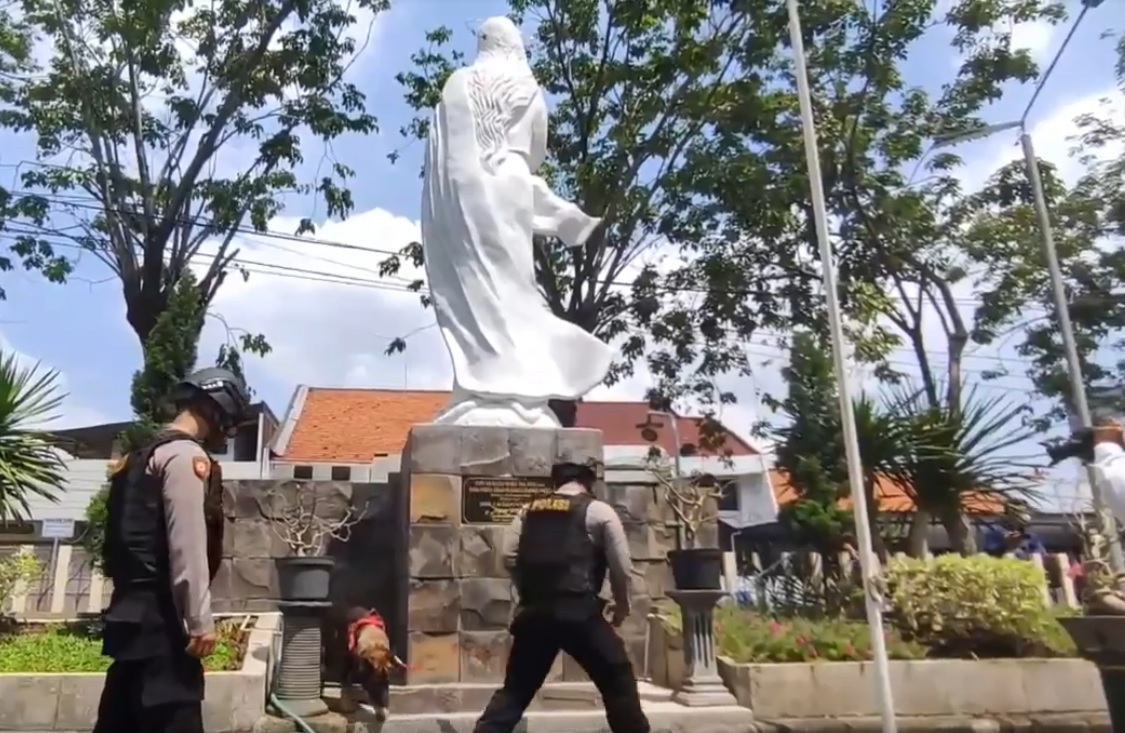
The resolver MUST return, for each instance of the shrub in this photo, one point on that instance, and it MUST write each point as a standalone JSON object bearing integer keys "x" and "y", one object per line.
{"x": 77, "y": 647}
{"x": 745, "y": 636}
{"x": 93, "y": 537}
{"x": 16, "y": 568}
{"x": 977, "y": 606}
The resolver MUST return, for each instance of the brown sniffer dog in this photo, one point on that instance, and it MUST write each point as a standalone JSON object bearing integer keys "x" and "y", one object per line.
{"x": 372, "y": 659}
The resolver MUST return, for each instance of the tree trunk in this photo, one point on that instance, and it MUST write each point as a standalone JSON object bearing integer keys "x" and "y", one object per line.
{"x": 960, "y": 531}
{"x": 917, "y": 541}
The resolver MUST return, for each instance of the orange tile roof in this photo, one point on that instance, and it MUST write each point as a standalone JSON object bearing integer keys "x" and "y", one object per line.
{"x": 891, "y": 497}
{"x": 356, "y": 425}
{"x": 621, "y": 424}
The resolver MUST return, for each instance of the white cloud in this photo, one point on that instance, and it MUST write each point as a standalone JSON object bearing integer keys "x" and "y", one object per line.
{"x": 1035, "y": 37}
{"x": 327, "y": 313}
{"x": 73, "y": 413}
{"x": 1052, "y": 135}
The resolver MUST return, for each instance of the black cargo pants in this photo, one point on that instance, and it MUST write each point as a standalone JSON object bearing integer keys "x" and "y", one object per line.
{"x": 594, "y": 645}
{"x": 160, "y": 694}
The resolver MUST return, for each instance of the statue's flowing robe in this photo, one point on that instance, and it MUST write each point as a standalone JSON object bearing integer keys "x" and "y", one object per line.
{"x": 481, "y": 203}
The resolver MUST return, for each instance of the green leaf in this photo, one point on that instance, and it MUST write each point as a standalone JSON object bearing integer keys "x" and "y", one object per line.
{"x": 30, "y": 466}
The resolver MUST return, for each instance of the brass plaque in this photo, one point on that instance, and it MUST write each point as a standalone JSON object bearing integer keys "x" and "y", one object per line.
{"x": 497, "y": 499}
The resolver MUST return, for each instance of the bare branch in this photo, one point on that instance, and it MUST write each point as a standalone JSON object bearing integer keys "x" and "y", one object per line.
{"x": 304, "y": 521}
{"x": 692, "y": 498}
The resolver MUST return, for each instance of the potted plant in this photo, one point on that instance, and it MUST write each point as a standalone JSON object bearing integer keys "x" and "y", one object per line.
{"x": 693, "y": 500}
{"x": 306, "y": 522}
{"x": 1099, "y": 633}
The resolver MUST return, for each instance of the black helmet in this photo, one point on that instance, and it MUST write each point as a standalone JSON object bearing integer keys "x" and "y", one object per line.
{"x": 224, "y": 388}
{"x": 585, "y": 473}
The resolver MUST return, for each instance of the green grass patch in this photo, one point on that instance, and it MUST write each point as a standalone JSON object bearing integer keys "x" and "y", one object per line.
{"x": 53, "y": 648}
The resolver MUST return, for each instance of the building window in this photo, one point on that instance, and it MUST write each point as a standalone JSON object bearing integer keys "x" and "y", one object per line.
{"x": 302, "y": 473}
{"x": 728, "y": 502}
{"x": 341, "y": 473}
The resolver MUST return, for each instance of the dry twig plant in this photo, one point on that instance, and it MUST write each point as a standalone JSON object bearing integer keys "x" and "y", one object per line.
{"x": 693, "y": 499}
{"x": 1103, "y": 592}
{"x": 303, "y": 521}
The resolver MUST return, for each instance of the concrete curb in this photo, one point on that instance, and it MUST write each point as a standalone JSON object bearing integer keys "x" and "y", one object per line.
{"x": 704, "y": 720}
{"x": 1061, "y": 723}
{"x": 987, "y": 688}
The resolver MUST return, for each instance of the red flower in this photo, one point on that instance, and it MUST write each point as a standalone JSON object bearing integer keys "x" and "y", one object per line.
{"x": 775, "y": 628}
{"x": 802, "y": 641}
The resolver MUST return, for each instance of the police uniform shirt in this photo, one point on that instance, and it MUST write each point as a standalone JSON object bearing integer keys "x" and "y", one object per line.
{"x": 604, "y": 529}
{"x": 1109, "y": 467}
{"x": 184, "y": 467}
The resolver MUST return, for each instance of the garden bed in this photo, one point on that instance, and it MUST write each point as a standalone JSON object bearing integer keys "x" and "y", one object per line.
{"x": 745, "y": 636}
{"x": 76, "y": 646}
{"x": 52, "y": 675}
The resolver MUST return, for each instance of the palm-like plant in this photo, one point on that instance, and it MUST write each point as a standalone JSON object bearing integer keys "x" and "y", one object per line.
{"x": 29, "y": 464}
{"x": 956, "y": 457}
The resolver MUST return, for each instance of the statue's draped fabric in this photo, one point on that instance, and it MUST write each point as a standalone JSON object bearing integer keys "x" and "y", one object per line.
{"x": 481, "y": 204}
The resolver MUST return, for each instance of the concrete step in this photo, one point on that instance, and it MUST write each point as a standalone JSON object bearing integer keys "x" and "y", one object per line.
{"x": 471, "y": 698}
{"x": 665, "y": 717}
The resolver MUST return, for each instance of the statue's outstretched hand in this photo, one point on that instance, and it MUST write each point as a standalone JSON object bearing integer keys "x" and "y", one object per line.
{"x": 577, "y": 229}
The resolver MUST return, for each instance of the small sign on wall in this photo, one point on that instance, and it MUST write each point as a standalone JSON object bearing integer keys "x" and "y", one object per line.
{"x": 57, "y": 529}
{"x": 497, "y": 500}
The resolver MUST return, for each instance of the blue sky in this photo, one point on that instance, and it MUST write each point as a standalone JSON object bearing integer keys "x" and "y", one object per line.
{"x": 333, "y": 334}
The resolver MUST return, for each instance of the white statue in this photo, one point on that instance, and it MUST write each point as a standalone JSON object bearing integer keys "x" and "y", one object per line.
{"x": 481, "y": 204}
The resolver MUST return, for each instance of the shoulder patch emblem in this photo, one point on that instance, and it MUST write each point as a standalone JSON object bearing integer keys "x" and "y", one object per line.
{"x": 201, "y": 467}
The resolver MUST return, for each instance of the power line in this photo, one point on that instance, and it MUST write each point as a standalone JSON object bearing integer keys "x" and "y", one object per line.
{"x": 87, "y": 204}
{"x": 306, "y": 275}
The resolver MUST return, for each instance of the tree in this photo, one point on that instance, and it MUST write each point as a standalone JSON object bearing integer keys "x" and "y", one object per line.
{"x": 169, "y": 358}
{"x": 1087, "y": 223}
{"x": 133, "y": 113}
{"x": 810, "y": 451}
{"x": 16, "y": 43}
{"x": 636, "y": 89}
{"x": 893, "y": 237}
{"x": 957, "y": 458}
{"x": 30, "y": 465}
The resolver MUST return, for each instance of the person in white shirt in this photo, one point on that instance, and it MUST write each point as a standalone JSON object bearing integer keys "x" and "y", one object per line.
{"x": 1109, "y": 466}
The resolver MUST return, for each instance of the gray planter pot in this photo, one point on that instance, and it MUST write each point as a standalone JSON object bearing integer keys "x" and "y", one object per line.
{"x": 304, "y": 579}
{"x": 699, "y": 568}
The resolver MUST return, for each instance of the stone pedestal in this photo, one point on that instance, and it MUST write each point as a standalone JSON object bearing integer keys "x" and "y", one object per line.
{"x": 460, "y": 598}
{"x": 702, "y": 685}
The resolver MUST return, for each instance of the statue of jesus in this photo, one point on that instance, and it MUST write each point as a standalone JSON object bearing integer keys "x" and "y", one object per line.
{"x": 482, "y": 202}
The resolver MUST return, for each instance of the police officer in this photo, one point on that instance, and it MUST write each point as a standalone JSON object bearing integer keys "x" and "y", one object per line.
{"x": 163, "y": 544}
{"x": 558, "y": 550}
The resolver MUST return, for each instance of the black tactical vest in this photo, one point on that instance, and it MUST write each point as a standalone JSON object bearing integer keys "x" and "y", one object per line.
{"x": 557, "y": 565}
{"x": 142, "y": 618}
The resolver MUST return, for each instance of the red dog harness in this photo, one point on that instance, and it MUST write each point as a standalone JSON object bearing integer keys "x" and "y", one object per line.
{"x": 371, "y": 619}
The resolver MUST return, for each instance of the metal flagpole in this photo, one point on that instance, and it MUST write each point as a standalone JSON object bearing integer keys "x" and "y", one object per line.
{"x": 868, "y": 561}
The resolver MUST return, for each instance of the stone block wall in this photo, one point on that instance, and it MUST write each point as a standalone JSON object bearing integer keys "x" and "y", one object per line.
{"x": 460, "y": 596}
{"x": 368, "y": 570}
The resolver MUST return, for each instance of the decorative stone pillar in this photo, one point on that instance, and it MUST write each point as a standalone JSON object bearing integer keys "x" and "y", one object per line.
{"x": 702, "y": 685}
{"x": 298, "y": 682}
